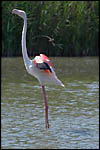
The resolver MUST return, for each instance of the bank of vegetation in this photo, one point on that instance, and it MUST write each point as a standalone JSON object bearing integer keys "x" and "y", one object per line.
{"x": 73, "y": 27}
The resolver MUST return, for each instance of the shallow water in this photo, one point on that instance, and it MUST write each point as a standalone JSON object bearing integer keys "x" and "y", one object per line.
{"x": 73, "y": 110}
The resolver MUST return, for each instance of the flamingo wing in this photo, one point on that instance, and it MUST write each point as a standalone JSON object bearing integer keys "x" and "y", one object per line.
{"x": 44, "y": 66}
{"x": 42, "y": 62}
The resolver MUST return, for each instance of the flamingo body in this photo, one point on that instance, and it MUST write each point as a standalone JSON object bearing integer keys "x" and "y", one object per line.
{"x": 42, "y": 69}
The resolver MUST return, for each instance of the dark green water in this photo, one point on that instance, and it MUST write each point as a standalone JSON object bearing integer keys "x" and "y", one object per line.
{"x": 73, "y": 110}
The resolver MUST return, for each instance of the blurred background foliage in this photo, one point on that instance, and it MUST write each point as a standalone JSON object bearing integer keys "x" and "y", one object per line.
{"x": 74, "y": 26}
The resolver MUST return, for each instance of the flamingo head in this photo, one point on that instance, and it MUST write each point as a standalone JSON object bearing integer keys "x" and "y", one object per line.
{"x": 20, "y": 13}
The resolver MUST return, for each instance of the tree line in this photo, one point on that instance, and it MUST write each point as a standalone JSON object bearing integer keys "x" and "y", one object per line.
{"x": 55, "y": 28}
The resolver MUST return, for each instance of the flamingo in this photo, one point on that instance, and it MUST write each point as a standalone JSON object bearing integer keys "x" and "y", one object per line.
{"x": 39, "y": 67}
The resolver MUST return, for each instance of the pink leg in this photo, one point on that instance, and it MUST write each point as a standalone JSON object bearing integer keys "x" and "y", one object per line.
{"x": 46, "y": 107}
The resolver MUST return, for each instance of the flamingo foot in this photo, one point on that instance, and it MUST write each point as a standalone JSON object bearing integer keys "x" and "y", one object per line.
{"x": 47, "y": 125}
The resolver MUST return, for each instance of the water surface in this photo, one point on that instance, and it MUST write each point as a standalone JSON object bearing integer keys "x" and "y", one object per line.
{"x": 73, "y": 110}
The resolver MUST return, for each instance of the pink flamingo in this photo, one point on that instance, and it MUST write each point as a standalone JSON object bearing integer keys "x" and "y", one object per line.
{"x": 40, "y": 66}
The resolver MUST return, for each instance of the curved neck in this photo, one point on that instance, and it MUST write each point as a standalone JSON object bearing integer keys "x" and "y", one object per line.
{"x": 24, "y": 49}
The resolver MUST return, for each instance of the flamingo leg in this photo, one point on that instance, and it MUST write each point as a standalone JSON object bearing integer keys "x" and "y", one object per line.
{"x": 46, "y": 107}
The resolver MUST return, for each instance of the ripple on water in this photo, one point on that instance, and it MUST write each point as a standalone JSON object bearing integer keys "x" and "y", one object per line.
{"x": 73, "y": 110}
